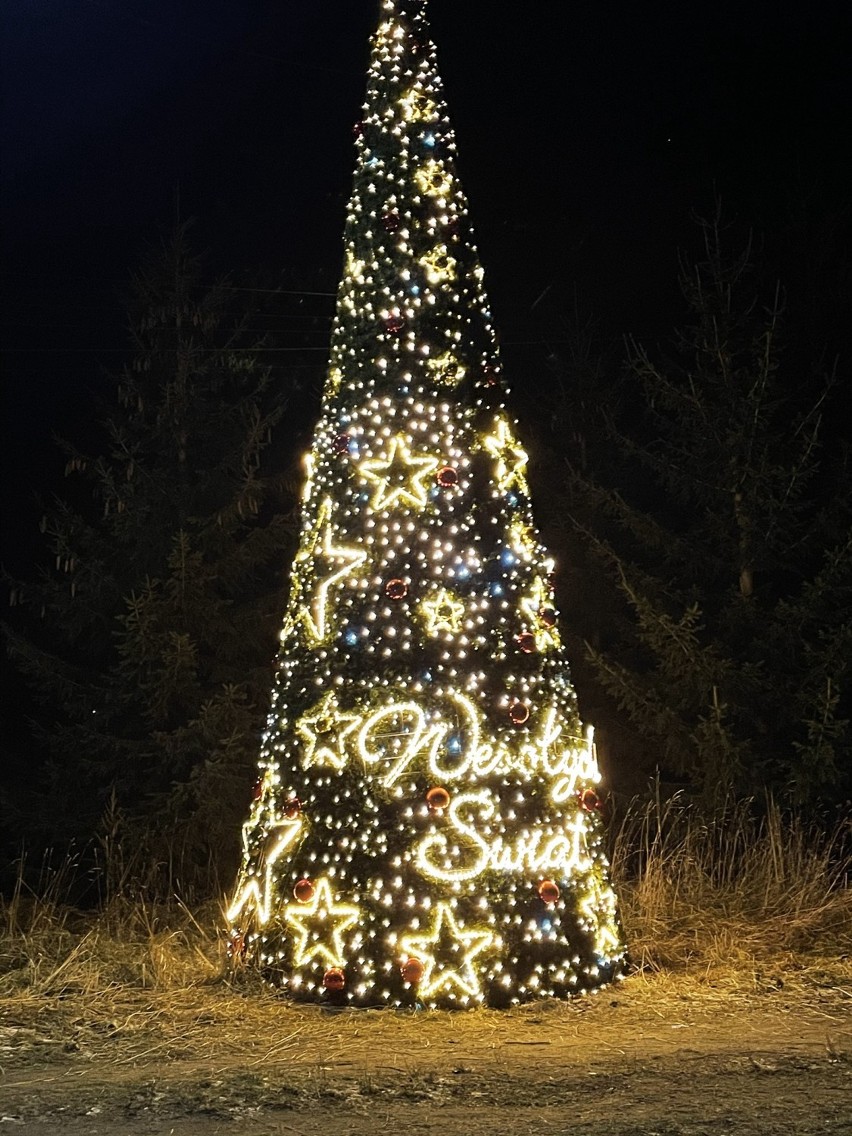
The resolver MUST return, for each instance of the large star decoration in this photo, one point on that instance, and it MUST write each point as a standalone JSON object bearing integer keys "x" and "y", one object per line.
{"x": 330, "y": 564}
{"x": 417, "y": 106}
{"x": 399, "y": 475}
{"x": 438, "y": 265}
{"x": 433, "y": 179}
{"x": 324, "y": 730}
{"x": 531, "y": 607}
{"x": 447, "y": 952}
{"x": 320, "y": 927}
{"x": 259, "y": 889}
{"x": 597, "y": 907}
{"x": 446, "y": 368}
{"x": 510, "y": 457}
{"x": 443, "y": 612}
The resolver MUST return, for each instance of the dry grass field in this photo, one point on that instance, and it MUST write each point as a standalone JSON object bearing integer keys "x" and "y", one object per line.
{"x": 737, "y": 1019}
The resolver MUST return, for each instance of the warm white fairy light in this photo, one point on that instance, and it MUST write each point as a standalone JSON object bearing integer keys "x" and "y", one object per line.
{"x": 425, "y": 823}
{"x": 510, "y": 457}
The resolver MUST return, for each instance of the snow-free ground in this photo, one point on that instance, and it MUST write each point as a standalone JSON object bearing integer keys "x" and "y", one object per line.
{"x": 674, "y": 1057}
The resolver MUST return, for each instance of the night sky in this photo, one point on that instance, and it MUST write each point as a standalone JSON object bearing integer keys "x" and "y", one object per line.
{"x": 587, "y": 133}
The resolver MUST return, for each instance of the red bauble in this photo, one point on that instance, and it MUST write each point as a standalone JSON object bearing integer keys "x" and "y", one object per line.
{"x": 391, "y": 222}
{"x": 452, "y": 226}
{"x": 526, "y": 642}
{"x": 396, "y": 589}
{"x": 589, "y": 800}
{"x": 341, "y": 443}
{"x": 412, "y": 971}
{"x": 304, "y": 891}
{"x": 519, "y": 712}
{"x": 237, "y": 946}
{"x": 258, "y": 790}
{"x": 394, "y": 324}
{"x": 334, "y": 978}
{"x": 437, "y": 798}
{"x": 548, "y": 891}
{"x": 358, "y": 129}
{"x": 447, "y": 477}
{"x": 292, "y": 808}
{"x": 547, "y": 616}
{"x": 491, "y": 374}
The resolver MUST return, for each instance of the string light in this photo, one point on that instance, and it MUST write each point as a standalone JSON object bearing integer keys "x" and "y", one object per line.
{"x": 427, "y": 826}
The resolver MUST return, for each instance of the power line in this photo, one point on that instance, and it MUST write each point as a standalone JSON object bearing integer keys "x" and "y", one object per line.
{"x": 129, "y": 351}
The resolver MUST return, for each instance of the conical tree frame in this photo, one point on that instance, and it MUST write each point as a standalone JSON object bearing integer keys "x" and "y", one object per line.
{"x": 425, "y": 828}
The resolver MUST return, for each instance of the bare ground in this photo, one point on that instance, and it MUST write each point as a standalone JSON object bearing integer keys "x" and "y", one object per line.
{"x": 658, "y": 1056}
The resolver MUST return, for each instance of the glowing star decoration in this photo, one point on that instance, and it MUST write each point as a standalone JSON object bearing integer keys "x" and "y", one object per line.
{"x": 324, "y": 730}
{"x": 355, "y": 268}
{"x": 432, "y": 178}
{"x": 401, "y": 477}
{"x": 598, "y": 909}
{"x": 510, "y": 457}
{"x": 417, "y": 106}
{"x": 446, "y": 368}
{"x": 523, "y": 539}
{"x": 448, "y": 951}
{"x": 319, "y": 927}
{"x": 330, "y": 566}
{"x": 335, "y": 377}
{"x": 443, "y": 612}
{"x": 438, "y": 265}
{"x": 258, "y": 892}
{"x": 531, "y": 605}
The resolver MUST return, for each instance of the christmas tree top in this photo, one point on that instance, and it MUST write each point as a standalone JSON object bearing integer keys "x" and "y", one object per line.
{"x": 426, "y": 824}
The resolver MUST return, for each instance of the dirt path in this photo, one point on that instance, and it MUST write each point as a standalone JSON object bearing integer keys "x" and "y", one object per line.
{"x": 636, "y": 1062}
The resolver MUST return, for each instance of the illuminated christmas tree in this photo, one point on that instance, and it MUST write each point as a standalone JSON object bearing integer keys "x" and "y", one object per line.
{"x": 426, "y": 825}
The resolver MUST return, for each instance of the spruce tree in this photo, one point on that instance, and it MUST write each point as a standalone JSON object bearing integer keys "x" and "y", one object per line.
{"x": 426, "y": 823}
{"x": 149, "y": 638}
{"x": 717, "y": 505}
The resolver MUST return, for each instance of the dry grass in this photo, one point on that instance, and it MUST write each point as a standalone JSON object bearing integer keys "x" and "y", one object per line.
{"x": 742, "y": 903}
{"x": 736, "y": 906}
{"x": 50, "y": 949}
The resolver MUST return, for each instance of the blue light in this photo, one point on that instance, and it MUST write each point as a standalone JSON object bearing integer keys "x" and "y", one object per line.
{"x": 507, "y": 558}
{"x": 496, "y": 589}
{"x": 428, "y": 139}
{"x": 454, "y": 745}
{"x": 414, "y": 289}
{"x": 350, "y": 638}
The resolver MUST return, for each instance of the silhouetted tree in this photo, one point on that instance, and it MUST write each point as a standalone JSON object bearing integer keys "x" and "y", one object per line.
{"x": 149, "y": 638}
{"x": 716, "y": 509}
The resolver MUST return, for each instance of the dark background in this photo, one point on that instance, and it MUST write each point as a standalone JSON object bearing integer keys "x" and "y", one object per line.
{"x": 588, "y": 132}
